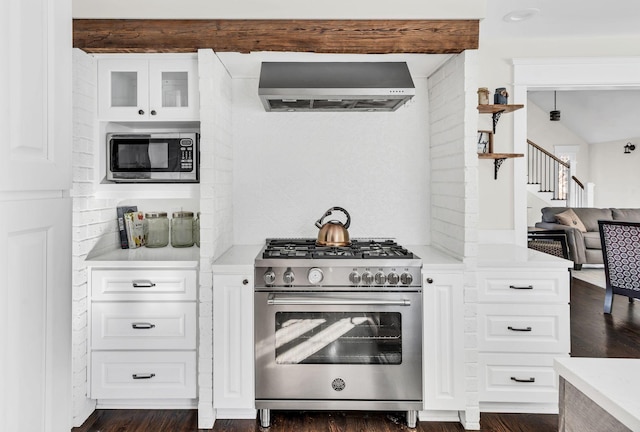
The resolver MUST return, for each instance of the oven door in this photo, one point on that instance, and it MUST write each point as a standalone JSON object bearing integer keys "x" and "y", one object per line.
{"x": 337, "y": 345}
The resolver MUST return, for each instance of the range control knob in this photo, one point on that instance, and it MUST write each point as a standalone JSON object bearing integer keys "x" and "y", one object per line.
{"x": 393, "y": 278}
{"x": 406, "y": 279}
{"x": 355, "y": 278}
{"x": 380, "y": 278}
{"x": 315, "y": 276}
{"x": 288, "y": 277}
{"x": 269, "y": 277}
{"x": 367, "y": 278}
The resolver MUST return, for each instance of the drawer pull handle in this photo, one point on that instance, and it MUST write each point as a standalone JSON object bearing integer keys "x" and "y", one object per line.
{"x": 142, "y": 326}
{"x": 526, "y": 329}
{"x": 143, "y": 376}
{"x": 521, "y": 287}
{"x": 143, "y": 284}
{"x": 530, "y": 380}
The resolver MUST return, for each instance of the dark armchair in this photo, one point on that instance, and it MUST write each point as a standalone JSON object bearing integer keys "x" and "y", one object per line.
{"x": 621, "y": 254}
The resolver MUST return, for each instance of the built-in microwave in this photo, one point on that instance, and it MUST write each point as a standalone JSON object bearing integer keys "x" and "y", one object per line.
{"x": 153, "y": 157}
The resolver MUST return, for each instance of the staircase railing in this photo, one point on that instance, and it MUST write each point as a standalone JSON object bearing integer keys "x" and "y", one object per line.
{"x": 553, "y": 175}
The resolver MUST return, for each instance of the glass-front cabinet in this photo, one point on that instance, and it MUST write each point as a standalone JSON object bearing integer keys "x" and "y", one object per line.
{"x": 147, "y": 88}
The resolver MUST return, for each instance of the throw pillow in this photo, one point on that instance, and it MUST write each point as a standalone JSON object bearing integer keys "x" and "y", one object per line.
{"x": 570, "y": 218}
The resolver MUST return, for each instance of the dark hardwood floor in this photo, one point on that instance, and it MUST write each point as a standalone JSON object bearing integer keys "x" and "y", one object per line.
{"x": 593, "y": 334}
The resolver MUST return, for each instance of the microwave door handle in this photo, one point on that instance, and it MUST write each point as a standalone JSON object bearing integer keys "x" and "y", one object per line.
{"x": 283, "y": 300}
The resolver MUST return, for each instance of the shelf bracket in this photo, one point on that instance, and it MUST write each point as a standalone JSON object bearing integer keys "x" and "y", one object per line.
{"x": 496, "y": 117}
{"x": 497, "y": 163}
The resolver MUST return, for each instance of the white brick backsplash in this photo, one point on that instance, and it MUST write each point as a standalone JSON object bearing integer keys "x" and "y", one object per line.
{"x": 453, "y": 126}
{"x": 215, "y": 206}
{"x": 79, "y": 292}
{"x": 85, "y": 219}
{"x": 205, "y": 310}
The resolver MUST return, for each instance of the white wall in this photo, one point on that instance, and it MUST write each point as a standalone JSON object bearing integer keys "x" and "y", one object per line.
{"x": 615, "y": 174}
{"x": 280, "y": 9}
{"x": 289, "y": 168}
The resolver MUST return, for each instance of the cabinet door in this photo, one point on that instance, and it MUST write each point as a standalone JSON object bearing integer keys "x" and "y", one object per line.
{"x": 443, "y": 345}
{"x": 35, "y": 108}
{"x": 123, "y": 89}
{"x": 35, "y": 315}
{"x": 173, "y": 89}
{"x": 233, "y": 354}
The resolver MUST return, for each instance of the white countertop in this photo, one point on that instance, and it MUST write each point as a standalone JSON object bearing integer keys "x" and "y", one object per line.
{"x": 238, "y": 258}
{"x": 434, "y": 259}
{"x": 508, "y": 255}
{"x": 612, "y": 383}
{"x": 149, "y": 257}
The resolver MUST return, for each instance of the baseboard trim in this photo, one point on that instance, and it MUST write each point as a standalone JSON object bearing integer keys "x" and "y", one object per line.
{"x": 236, "y": 413}
{"x": 146, "y": 404}
{"x": 439, "y": 416}
{"x": 519, "y": 408}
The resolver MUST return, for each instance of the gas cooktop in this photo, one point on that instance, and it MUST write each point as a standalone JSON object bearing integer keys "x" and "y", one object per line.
{"x": 365, "y": 263}
{"x": 358, "y": 249}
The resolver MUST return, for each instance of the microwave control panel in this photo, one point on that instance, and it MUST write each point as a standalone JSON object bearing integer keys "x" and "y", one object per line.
{"x": 186, "y": 154}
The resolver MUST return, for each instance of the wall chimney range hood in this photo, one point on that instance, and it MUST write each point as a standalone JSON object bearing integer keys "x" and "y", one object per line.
{"x": 335, "y": 86}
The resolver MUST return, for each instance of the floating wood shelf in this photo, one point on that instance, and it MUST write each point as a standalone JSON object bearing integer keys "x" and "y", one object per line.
{"x": 498, "y": 158}
{"x": 491, "y": 109}
{"x": 497, "y": 110}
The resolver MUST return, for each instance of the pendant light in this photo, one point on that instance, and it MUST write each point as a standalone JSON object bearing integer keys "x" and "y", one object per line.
{"x": 555, "y": 114}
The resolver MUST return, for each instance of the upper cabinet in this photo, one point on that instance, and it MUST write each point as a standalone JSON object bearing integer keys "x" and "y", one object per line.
{"x": 140, "y": 88}
{"x": 35, "y": 111}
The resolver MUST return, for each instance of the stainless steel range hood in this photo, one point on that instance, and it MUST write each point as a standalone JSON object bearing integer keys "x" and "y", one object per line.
{"x": 335, "y": 86}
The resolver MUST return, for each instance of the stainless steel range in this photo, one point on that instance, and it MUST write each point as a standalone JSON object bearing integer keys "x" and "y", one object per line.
{"x": 338, "y": 328}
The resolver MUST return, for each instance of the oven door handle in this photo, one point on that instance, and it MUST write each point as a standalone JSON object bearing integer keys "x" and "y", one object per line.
{"x": 276, "y": 300}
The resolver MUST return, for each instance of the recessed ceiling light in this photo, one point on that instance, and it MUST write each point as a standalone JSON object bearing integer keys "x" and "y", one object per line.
{"x": 521, "y": 15}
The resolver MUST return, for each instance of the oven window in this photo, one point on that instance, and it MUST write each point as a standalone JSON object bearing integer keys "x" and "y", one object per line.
{"x": 338, "y": 338}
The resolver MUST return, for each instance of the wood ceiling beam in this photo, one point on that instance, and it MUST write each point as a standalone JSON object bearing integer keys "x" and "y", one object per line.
{"x": 320, "y": 36}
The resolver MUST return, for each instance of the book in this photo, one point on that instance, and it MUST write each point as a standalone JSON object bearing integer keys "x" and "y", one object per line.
{"x": 134, "y": 225}
{"x": 124, "y": 242}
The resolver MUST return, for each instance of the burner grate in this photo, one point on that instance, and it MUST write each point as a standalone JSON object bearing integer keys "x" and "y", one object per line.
{"x": 360, "y": 249}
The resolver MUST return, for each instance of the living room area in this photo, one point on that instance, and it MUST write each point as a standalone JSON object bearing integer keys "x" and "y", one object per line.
{"x": 576, "y": 110}
{"x": 590, "y": 135}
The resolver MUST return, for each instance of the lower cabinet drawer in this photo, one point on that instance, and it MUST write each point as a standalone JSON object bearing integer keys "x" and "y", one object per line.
{"x": 143, "y": 284}
{"x": 140, "y": 326}
{"x": 517, "y": 378}
{"x": 143, "y": 375}
{"x": 524, "y": 328}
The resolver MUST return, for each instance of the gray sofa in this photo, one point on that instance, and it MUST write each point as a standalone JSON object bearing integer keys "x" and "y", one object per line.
{"x": 585, "y": 247}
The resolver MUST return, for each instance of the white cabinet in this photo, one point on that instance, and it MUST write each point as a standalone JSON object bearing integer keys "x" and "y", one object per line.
{"x": 443, "y": 345}
{"x": 35, "y": 110}
{"x": 35, "y": 310}
{"x": 148, "y": 88}
{"x": 142, "y": 335}
{"x": 523, "y": 324}
{"x": 35, "y": 216}
{"x": 233, "y": 347}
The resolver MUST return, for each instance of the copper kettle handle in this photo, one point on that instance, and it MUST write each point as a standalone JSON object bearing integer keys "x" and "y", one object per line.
{"x": 328, "y": 213}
